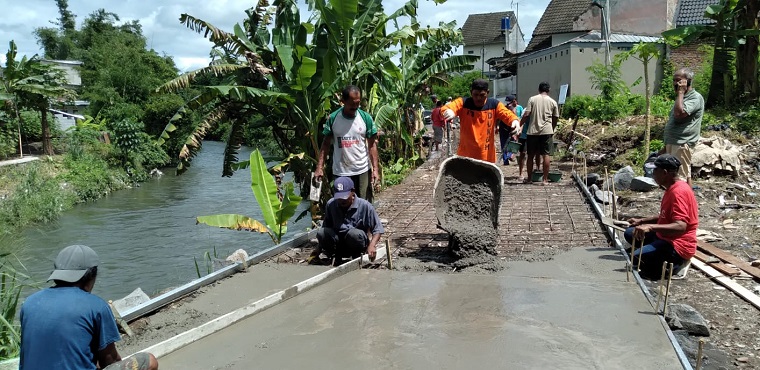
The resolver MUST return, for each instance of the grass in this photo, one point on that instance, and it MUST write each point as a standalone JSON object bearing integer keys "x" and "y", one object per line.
{"x": 10, "y": 293}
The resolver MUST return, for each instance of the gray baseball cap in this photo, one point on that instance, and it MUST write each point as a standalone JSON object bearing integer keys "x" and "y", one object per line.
{"x": 73, "y": 262}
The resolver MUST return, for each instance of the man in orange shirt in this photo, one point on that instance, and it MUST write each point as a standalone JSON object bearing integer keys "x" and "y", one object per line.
{"x": 478, "y": 115}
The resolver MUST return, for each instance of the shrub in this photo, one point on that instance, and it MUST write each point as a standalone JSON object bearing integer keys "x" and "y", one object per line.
{"x": 8, "y": 143}
{"x": 578, "y": 106}
{"x": 90, "y": 177}
{"x": 660, "y": 106}
{"x": 38, "y": 198}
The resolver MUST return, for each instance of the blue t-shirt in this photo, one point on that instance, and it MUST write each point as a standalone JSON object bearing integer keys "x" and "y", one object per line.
{"x": 64, "y": 328}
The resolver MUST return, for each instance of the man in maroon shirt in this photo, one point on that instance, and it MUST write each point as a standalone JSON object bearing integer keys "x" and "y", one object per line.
{"x": 672, "y": 235}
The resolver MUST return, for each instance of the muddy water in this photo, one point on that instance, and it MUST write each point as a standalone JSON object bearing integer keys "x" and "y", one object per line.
{"x": 147, "y": 237}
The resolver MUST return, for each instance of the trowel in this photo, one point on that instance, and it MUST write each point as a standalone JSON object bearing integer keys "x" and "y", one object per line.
{"x": 615, "y": 224}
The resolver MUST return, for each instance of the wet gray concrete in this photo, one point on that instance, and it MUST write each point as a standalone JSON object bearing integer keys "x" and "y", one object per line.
{"x": 574, "y": 312}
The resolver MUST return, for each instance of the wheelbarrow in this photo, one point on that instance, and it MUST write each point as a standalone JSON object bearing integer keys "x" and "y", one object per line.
{"x": 467, "y": 201}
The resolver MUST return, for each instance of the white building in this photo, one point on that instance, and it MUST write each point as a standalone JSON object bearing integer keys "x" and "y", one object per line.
{"x": 483, "y": 37}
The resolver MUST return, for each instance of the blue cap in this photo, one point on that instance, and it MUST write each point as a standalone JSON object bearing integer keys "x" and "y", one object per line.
{"x": 342, "y": 187}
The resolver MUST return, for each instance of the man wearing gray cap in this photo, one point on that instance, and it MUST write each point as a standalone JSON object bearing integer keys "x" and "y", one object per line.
{"x": 670, "y": 236}
{"x": 67, "y": 327}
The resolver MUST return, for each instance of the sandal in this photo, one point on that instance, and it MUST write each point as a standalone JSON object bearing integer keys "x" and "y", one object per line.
{"x": 526, "y": 180}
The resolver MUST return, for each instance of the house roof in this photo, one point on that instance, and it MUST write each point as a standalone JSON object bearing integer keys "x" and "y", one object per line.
{"x": 485, "y": 28}
{"x": 596, "y": 37}
{"x": 557, "y": 18}
{"x": 692, "y": 12}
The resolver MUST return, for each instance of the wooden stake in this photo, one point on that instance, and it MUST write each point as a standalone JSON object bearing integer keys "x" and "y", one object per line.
{"x": 699, "y": 353}
{"x": 627, "y": 272}
{"x": 633, "y": 251}
{"x": 641, "y": 249}
{"x": 607, "y": 191}
{"x": 659, "y": 294}
{"x": 614, "y": 200}
{"x": 667, "y": 288}
{"x": 388, "y": 254}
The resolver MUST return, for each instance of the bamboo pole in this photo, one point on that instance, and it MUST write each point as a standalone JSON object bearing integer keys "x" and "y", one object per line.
{"x": 614, "y": 200}
{"x": 699, "y": 353}
{"x": 388, "y": 254}
{"x": 667, "y": 288}
{"x": 659, "y": 294}
{"x": 641, "y": 250}
{"x": 607, "y": 192}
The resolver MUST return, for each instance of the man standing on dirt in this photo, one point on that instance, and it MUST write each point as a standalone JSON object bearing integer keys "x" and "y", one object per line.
{"x": 685, "y": 122}
{"x": 352, "y": 134}
{"x": 542, "y": 115}
{"x": 670, "y": 236}
{"x": 67, "y": 327}
{"x": 477, "y": 119}
{"x": 351, "y": 225}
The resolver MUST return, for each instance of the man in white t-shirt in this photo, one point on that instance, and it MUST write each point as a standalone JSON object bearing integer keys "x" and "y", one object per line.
{"x": 352, "y": 134}
{"x": 542, "y": 115}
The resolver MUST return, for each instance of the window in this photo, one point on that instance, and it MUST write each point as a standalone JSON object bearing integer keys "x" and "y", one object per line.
{"x": 580, "y": 50}
{"x": 470, "y": 52}
{"x": 596, "y": 50}
{"x": 555, "y": 55}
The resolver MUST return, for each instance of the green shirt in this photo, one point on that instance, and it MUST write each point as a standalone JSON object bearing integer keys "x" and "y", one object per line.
{"x": 686, "y": 130}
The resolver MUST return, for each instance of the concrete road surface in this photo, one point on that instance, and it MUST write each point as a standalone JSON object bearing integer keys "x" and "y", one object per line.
{"x": 575, "y": 312}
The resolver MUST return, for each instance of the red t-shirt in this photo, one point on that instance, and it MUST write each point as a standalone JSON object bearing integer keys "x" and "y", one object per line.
{"x": 437, "y": 117}
{"x": 679, "y": 203}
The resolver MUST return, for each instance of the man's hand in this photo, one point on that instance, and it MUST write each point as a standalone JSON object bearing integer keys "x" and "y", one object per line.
{"x": 449, "y": 114}
{"x": 635, "y": 221}
{"x": 318, "y": 174}
{"x": 641, "y": 230}
{"x": 515, "y": 127}
{"x": 682, "y": 86}
{"x": 371, "y": 252}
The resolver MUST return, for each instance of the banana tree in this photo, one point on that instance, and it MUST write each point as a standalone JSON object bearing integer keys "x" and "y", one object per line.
{"x": 31, "y": 84}
{"x": 733, "y": 30}
{"x": 401, "y": 86}
{"x": 645, "y": 52}
{"x": 278, "y": 204}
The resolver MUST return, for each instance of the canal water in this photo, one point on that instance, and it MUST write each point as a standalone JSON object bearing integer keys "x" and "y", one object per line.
{"x": 147, "y": 236}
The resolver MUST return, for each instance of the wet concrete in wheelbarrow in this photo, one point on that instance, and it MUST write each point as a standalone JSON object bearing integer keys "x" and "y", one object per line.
{"x": 574, "y": 312}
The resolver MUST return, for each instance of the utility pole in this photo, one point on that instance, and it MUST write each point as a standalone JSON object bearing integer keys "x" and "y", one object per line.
{"x": 483, "y": 58}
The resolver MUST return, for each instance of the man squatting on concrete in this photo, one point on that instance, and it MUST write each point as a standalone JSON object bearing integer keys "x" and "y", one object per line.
{"x": 66, "y": 327}
{"x": 541, "y": 114}
{"x": 685, "y": 122}
{"x": 351, "y": 225}
{"x": 477, "y": 115}
{"x": 352, "y": 134}
{"x": 672, "y": 235}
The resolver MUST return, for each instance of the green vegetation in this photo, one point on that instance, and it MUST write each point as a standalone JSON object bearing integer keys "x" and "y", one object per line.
{"x": 458, "y": 85}
{"x": 277, "y": 201}
{"x": 10, "y": 292}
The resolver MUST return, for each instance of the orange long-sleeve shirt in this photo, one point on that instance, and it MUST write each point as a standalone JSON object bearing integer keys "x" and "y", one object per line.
{"x": 478, "y": 126}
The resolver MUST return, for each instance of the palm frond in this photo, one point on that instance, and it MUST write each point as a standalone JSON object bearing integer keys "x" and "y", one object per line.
{"x": 184, "y": 81}
{"x": 234, "y": 141}
{"x": 195, "y": 139}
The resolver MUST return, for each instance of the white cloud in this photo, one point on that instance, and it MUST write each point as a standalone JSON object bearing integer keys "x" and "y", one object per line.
{"x": 165, "y": 34}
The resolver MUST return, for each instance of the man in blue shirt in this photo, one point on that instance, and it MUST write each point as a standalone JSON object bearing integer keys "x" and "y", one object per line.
{"x": 66, "y": 327}
{"x": 351, "y": 225}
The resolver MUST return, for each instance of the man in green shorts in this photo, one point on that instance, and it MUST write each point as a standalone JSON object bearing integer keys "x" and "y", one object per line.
{"x": 685, "y": 122}
{"x": 542, "y": 114}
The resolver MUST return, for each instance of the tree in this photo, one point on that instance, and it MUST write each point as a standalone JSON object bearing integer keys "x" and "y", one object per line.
{"x": 29, "y": 83}
{"x": 58, "y": 43}
{"x": 645, "y": 52}
{"x": 735, "y": 31}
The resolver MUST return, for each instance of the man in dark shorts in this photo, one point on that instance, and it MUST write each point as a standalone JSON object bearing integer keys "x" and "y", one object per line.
{"x": 67, "y": 327}
{"x": 541, "y": 114}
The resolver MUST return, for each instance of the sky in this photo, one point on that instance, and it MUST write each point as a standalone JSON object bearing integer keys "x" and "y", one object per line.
{"x": 164, "y": 33}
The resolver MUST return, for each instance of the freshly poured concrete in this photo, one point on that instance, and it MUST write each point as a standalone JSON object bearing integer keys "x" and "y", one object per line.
{"x": 575, "y": 312}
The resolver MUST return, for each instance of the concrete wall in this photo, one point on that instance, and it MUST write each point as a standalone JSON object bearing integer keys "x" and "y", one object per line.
{"x": 504, "y": 86}
{"x": 642, "y": 17}
{"x": 687, "y": 56}
{"x": 566, "y": 64}
{"x": 552, "y": 65}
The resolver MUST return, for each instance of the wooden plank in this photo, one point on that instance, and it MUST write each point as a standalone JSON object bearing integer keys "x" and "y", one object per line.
{"x": 729, "y": 258}
{"x": 714, "y": 274}
{"x": 720, "y": 266}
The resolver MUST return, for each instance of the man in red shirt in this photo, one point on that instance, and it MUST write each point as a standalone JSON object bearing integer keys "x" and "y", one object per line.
{"x": 672, "y": 235}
